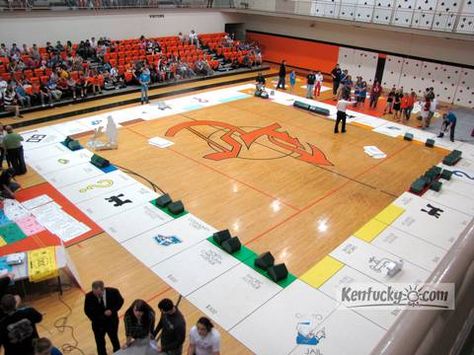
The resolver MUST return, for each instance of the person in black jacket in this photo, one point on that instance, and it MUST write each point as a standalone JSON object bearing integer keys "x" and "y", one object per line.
{"x": 101, "y": 306}
{"x": 173, "y": 327}
{"x": 336, "y": 74}
{"x": 282, "y": 75}
{"x": 18, "y": 327}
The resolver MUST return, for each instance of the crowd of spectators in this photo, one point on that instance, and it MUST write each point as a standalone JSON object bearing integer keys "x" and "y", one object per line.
{"x": 33, "y": 75}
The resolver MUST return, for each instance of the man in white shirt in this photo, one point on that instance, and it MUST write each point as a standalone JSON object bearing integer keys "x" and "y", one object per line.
{"x": 193, "y": 38}
{"x": 318, "y": 83}
{"x": 204, "y": 339}
{"x": 434, "y": 104}
{"x": 341, "y": 115}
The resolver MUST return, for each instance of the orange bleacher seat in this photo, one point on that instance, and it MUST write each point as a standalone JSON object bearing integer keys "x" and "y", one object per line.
{"x": 44, "y": 79}
{"x": 34, "y": 80}
{"x": 39, "y": 72}
{"x": 48, "y": 71}
{"x": 128, "y": 76}
{"x": 6, "y": 76}
{"x": 28, "y": 73}
{"x": 113, "y": 62}
{"x": 75, "y": 75}
{"x": 18, "y": 75}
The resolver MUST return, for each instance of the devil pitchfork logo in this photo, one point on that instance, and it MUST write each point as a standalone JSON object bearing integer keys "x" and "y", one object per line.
{"x": 228, "y": 140}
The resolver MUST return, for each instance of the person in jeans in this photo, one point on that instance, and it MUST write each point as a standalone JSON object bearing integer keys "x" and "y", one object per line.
{"x": 173, "y": 328}
{"x": 144, "y": 80}
{"x": 14, "y": 148}
{"x": 310, "y": 79}
{"x": 282, "y": 75}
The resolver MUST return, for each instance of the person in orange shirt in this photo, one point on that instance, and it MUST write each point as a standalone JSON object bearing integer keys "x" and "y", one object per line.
{"x": 411, "y": 104}
{"x": 404, "y": 104}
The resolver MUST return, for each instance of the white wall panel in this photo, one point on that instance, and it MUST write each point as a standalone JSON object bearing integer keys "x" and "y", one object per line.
{"x": 403, "y": 13}
{"x": 365, "y": 10}
{"x": 465, "y": 92}
{"x": 383, "y": 11}
{"x": 392, "y": 71}
{"x": 348, "y": 9}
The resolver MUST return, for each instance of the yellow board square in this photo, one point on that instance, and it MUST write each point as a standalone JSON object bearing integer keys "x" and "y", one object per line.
{"x": 2, "y": 241}
{"x": 321, "y": 272}
{"x": 370, "y": 230}
{"x": 389, "y": 214}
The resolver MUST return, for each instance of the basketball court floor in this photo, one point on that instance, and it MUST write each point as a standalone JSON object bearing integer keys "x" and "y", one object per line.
{"x": 279, "y": 179}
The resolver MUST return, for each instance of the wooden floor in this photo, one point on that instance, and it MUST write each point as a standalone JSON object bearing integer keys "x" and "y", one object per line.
{"x": 267, "y": 196}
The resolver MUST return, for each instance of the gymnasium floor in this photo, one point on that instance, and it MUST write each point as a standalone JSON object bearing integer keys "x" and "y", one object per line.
{"x": 280, "y": 180}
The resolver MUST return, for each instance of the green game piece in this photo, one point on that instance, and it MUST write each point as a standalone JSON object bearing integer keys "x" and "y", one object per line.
{"x": 446, "y": 174}
{"x": 282, "y": 283}
{"x": 430, "y": 143}
{"x": 165, "y": 210}
{"x": 418, "y": 185}
{"x": 12, "y": 233}
{"x": 436, "y": 186}
{"x": 241, "y": 255}
{"x": 408, "y": 136}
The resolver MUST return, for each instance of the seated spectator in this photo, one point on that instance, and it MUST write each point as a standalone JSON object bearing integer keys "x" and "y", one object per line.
{"x": 181, "y": 37}
{"x": 18, "y": 327}
{"x": 53, "y": 88}
{"x": 49, "y": 48}
{"x": 43, "y": 346}
{"x": 15, "y": 50}
{"x": 3, "y": 85}
{"x": 34, "y": 52}
{"x": 22, "y": 97}
{"x": 8, "y": 185}
{"x": 45, "y": 92}
{"x": 25, "y": 50}
{"x": 59, "y": 47}
{"x": 74, "y": 87}
{"x": 10, "y": 103}
{"x": 3, "y": 50}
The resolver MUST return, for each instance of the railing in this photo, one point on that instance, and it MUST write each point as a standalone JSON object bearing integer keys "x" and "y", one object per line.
{"x": 438, "y": 17}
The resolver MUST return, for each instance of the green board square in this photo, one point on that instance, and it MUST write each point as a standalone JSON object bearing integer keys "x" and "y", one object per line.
{"x": 282, "y": 283}
{"x": 165, "y": 210}
{"x": 247, "y": 256}
{"x": 241, "y": 255}
{"x": 11, "y": 233}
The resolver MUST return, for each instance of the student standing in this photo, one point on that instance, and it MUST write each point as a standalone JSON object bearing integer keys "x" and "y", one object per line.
{"x": 282, "y": 75}
{"x": 375, "y": 94}
{"x": 292, "y": 80}
{"x": 14, "y": 148}
{"x": 390, "y": 97}
{"x": 336, "y": 78}
{"x": 310, "y": 79}
{"x": 144, "y": 80}
{"x": 173, "y": 327}
{"x": 341, "y": 115}
{"x": 204, "y": 339}
{"x": 318, "y": 83}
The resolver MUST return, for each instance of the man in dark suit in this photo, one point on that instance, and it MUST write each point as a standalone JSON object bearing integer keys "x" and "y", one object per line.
{"x": 101, "y": 306}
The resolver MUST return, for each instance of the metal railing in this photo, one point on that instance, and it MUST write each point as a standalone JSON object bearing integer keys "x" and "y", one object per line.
{"x": 383, "y": 12}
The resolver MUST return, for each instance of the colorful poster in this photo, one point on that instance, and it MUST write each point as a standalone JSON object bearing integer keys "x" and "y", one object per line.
{"x": 42, "y": 264}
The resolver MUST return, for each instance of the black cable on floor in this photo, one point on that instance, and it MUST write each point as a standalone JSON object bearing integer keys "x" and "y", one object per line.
{"x": 152, "y": 184}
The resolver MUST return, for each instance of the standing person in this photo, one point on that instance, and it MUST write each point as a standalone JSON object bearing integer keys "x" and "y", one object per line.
{"x": 411, "y": 104}
{"x": 449, "y": 121}
{"x": 336, "y": 74}
{"x": 433, "y": 106}
{"x": 173, "y": 327}
{"x": 101, "y": 306}
{"x": 345, "y": 80}
{"x": 389, "y": 104}
{"x": 204, "y": 339}
{"x": 425, "y": 110}
{"x": 139, "y": 322}
{"x": 397, "y": 100}
{"x": 404, "y": 104}
{"x": 310, "y": 79}
{"x": 341, "y": 115}
{"x": 282, "y": 75}
{"x": 18, "y": 327}
{"x": 144, "y": 80}
{"x": 14, "y": 148}
{"x": 292, "y": 80}
{"x": 375, "y": 93}
{"x": 318, "y": 83}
